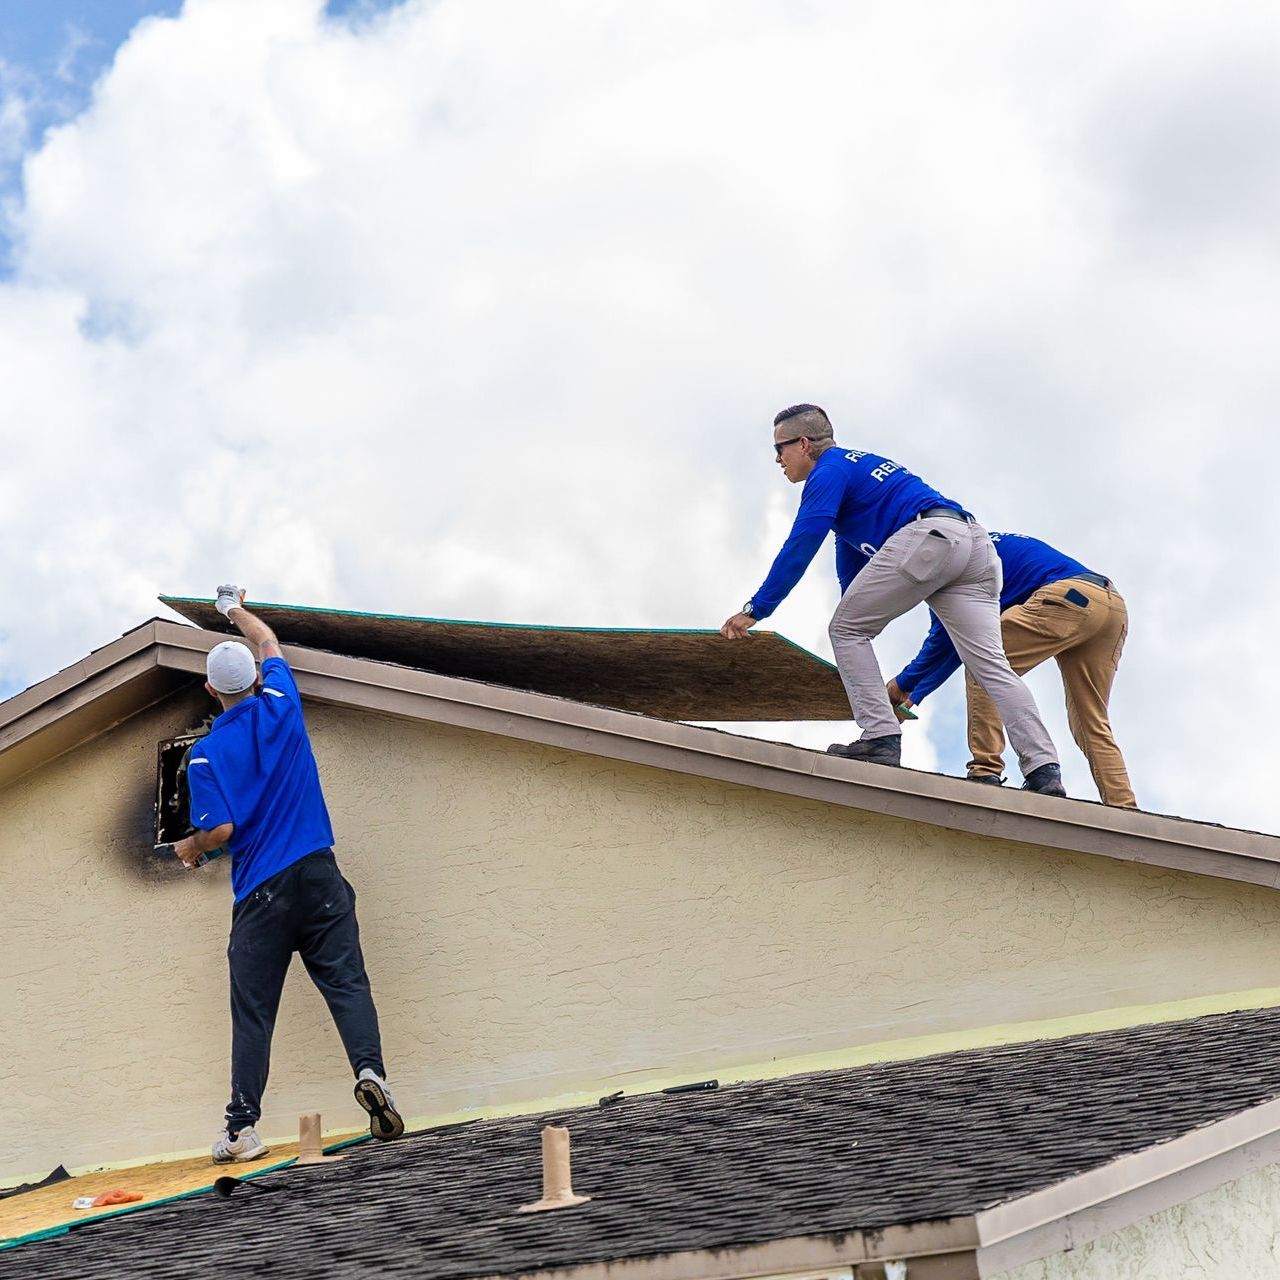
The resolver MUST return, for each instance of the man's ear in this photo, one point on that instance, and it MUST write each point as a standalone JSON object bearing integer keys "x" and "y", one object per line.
{"x": 257, "y": 684}
{"x": 211, "y": 691}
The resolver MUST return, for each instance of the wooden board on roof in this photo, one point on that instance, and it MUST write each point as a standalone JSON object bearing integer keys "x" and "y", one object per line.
{"x": 675, "y": 675}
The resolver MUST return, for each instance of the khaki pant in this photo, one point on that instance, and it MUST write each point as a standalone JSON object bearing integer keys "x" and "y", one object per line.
{"x": 1087, "y": 641}
{"x": 953, "y": 565}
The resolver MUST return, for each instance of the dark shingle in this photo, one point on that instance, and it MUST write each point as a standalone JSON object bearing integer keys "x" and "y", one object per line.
{"x": 836, "y": 1151}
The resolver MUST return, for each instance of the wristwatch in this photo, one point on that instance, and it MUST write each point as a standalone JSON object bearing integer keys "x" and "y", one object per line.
{"x": 748, "y": 610}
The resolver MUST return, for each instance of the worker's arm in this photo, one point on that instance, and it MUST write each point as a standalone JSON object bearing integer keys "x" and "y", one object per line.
{"x": 936, "y": 662}
{"x": 818, "y": 509}
{"x": 201, "y": 842}
{"x": 230, "y": 604}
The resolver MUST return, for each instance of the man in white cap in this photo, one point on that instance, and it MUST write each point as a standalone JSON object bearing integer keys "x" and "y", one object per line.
{"x": 255, "y": 789}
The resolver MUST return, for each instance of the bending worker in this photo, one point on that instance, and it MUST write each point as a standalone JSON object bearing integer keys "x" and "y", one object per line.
{"x": 1051, "y": 607}
{"x": 898, "y": 542}
{"x": 255, "y": 788}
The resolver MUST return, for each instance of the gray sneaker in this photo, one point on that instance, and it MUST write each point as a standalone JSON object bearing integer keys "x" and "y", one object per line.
{"x": 373, "y": 1095}
{"x": 884, "y": 750}
{"x": 246, "y": 1145}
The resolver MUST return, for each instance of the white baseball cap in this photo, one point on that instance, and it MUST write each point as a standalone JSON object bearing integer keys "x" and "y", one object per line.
{"x": 231, "y": 667}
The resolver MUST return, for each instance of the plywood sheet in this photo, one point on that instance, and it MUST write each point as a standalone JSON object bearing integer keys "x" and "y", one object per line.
{"x": 676, "y": 675}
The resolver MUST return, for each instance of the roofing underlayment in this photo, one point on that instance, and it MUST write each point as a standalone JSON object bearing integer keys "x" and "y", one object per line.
{"x": 1004, "y": 1154}
{"x": 677, "y": 675}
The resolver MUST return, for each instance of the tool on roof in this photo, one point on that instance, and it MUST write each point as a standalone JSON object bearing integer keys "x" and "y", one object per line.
{"x": 226, "y": 1185}
{"x": 557, "y": 1182}
{"x": 610, "y": 1098}
{"x": 699, "y": 1086}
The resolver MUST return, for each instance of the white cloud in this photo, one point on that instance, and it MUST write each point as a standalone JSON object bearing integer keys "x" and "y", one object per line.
{"x": 481, "y": 309}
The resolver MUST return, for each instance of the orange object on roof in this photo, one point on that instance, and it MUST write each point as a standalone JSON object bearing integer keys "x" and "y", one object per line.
{"x": 115, "y": 1196}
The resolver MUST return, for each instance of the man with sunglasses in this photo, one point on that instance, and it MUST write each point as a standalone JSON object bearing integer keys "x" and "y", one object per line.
{"x": 898, "y": 542}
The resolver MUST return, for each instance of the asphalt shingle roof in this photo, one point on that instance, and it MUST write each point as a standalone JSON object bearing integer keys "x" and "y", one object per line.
{"x": 858, "y": 1149}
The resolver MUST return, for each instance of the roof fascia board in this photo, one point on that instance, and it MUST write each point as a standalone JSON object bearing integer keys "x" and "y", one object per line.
{"x": 42, "y": 694}
{"x": 1220, "y": 852}
{"x": 947, "y": 1244}
{"x": 1114, "y": 1196}
{"x": 84, "y": 713}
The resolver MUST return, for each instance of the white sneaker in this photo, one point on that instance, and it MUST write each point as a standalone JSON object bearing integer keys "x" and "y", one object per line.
{"x": 374, "y": 1096}
{"x": 246, "y": 1145}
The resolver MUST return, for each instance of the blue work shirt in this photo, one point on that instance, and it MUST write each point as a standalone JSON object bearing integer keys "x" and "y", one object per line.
{"x": 1028, "y": 565}
{"x": 255, "y": 769}
{"x": 865, "y": 498}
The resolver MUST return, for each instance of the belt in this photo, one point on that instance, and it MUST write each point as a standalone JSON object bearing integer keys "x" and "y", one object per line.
{"x": 1096, "y": 578}
{"x": 950, "y": 512}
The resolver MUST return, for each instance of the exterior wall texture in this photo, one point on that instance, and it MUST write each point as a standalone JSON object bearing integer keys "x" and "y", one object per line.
{"x": 537, "y": 921}
{"x": 1230, "y": 1233}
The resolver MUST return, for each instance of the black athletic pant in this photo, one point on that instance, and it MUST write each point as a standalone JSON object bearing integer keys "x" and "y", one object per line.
{"x": 309, "y": 908}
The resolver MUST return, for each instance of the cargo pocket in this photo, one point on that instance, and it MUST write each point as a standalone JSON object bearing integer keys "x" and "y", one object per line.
{"x": 927, "y": 556}
{"x": 1051, "y": 615}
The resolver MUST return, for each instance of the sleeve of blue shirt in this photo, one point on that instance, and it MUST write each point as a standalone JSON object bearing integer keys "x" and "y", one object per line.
{"x": 278, "y": 681}
{"x": 209, "y": 806}
{"x": 819, "y": 506}
{"x": 933, "y": 666}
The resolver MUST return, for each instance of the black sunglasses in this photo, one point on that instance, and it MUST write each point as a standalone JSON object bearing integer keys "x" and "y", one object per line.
{"x": 782, "y": 444}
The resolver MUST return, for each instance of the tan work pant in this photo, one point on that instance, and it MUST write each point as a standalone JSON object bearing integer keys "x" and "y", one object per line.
{"x": 1086, "y": 640}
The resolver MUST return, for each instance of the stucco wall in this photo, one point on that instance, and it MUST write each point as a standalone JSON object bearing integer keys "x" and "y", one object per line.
{"x": 537, "y": 921}
{"x": 1230, "y": 1233}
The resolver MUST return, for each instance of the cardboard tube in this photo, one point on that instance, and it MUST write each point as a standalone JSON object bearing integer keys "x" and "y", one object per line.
{"x": 557, "y": 1178}
{"x": 310, "y": 1147}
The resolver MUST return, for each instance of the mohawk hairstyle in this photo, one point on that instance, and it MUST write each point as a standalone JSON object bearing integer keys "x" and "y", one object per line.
{"x": 795, "y": 410}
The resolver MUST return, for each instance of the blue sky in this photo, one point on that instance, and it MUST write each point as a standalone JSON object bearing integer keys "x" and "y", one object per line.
{"x": 52, "y": 52}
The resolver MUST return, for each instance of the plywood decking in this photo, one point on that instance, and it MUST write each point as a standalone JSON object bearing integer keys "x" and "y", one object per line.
{"x": 674, "y": 675}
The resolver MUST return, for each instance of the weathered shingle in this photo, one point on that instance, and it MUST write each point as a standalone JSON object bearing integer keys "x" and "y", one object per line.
{"x": 836, "y": 1151}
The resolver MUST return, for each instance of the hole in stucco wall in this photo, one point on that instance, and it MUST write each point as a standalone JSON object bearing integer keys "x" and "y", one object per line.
{"x": 173, "y": 799}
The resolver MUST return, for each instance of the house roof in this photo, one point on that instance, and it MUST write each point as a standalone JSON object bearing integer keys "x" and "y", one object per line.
{"x": 676, "y": 675}
{"x": 977, "y": 1160}
{"x": 158, "y": 658}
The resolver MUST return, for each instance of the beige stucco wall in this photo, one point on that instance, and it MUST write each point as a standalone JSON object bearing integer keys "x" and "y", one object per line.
{"x": 1231, "y": 1233}
{"x": 537, "y": 921}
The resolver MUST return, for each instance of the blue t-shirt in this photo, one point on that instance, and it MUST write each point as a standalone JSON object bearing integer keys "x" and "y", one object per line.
{"x": 1028, "y": 565}
{"x": 865, "y": 498}
{"x": 255, "y": 769}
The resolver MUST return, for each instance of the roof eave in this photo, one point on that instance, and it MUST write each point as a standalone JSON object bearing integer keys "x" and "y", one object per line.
{"x": 1073, "y": 1212}
{"x": 949, "y": 803}
{"x": 935, "y": 1249}
{"x": 82, "y": 702}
